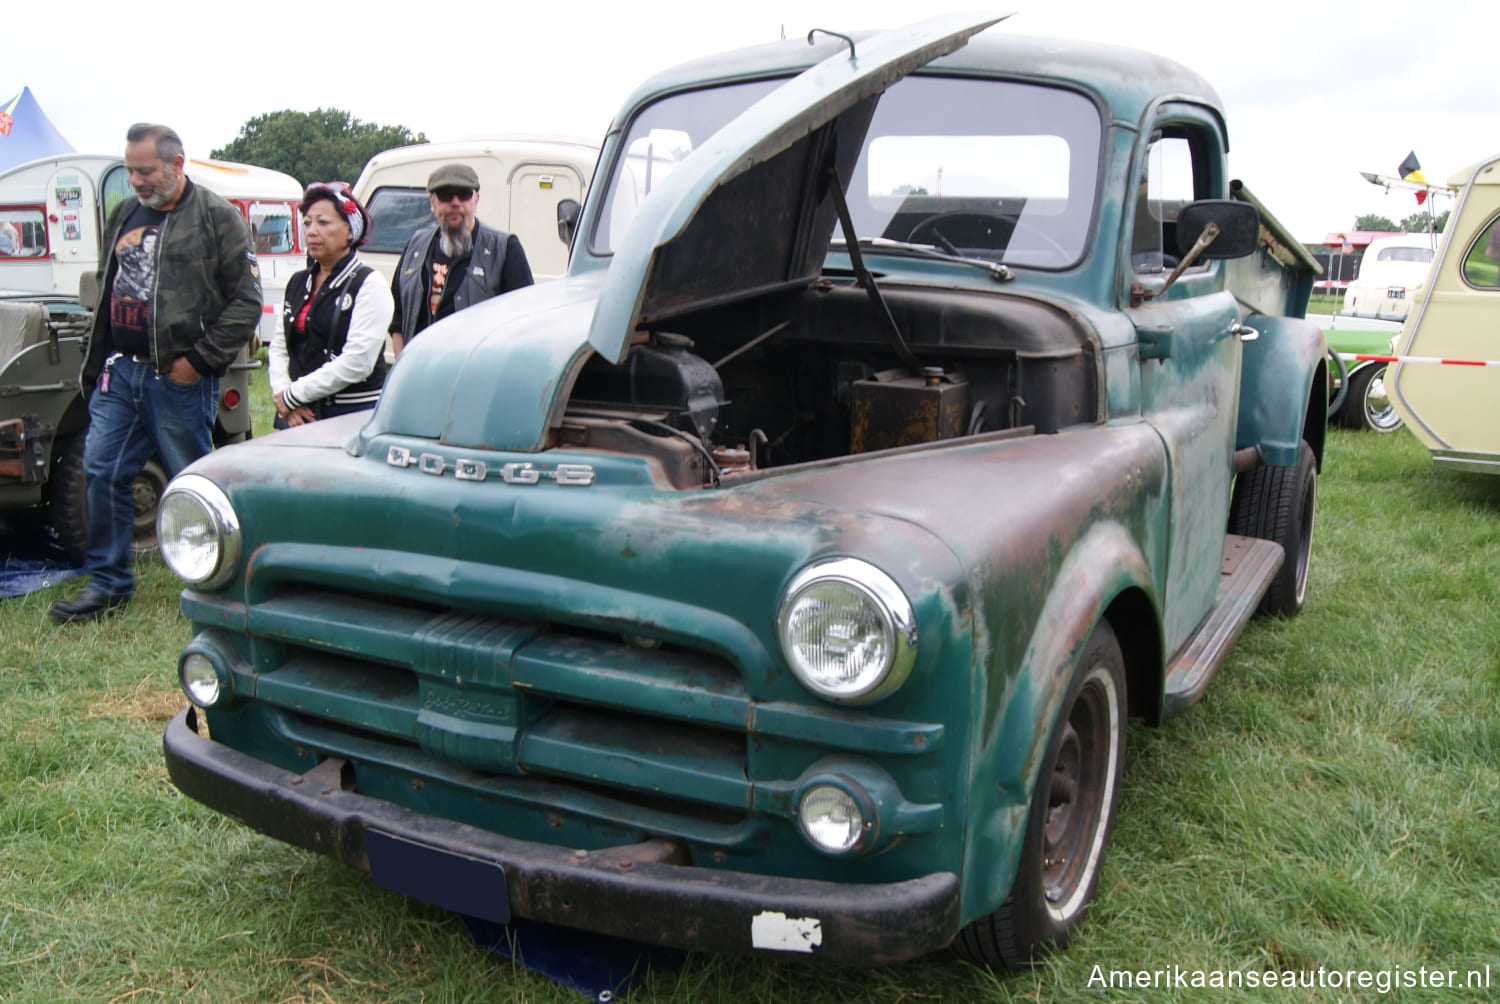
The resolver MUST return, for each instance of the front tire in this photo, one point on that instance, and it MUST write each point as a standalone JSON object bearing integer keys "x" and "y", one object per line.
{"x": 1068, "y": 825}
{"x": 1368, "y": 405}
{"x": 67, "y": 503}
{"x": 68, "y": 508}
{"x": 1279, "y": 503}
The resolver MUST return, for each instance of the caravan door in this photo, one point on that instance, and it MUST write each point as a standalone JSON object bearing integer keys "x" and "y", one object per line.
{"x": 535, "y": 190}
{"x": 72, "y": 228}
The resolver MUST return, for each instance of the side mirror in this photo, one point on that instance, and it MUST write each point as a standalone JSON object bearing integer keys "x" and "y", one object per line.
{"x": 1238, "y": 224}
{"x": 1208, "y": 228}
{"x": 568, "y": 211}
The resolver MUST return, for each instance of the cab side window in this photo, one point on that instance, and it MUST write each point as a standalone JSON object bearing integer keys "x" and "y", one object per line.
{"x": 1172, "y": 178}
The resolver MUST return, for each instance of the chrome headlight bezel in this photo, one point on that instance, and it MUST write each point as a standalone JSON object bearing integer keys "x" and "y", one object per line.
{"x": 216, "y": 515}
{"x": 882, "y": 598}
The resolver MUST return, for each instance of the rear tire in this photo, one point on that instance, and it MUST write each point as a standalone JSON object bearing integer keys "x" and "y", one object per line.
{"x": 1279, "y": 503}
{"x": 1068, "y": 825}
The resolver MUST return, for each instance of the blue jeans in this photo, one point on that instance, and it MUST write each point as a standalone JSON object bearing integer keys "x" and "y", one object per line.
{"x": 142, "y": 413}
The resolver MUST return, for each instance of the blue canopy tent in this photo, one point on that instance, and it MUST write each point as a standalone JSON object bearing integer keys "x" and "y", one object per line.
{"x": 26, "y": 133}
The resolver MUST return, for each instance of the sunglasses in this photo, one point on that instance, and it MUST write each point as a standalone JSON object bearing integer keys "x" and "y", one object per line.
{"x": 448, "y": 193}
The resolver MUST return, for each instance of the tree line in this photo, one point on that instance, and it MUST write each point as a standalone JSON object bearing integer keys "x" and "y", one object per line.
{"x": 326, "y": 144}
{"x": 1416, "y": 223}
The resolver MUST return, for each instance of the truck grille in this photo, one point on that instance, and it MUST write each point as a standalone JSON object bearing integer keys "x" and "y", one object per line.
{"x": 438, "y": 689}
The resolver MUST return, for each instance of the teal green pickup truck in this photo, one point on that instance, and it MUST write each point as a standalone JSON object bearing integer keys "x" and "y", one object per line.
{"x": 917, "y": 406}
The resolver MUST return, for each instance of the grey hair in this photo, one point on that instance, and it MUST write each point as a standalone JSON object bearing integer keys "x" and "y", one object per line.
{"x": 168, "y": 143}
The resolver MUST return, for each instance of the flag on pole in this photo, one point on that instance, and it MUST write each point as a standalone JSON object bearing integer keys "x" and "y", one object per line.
{"x": 1411, "y": 170}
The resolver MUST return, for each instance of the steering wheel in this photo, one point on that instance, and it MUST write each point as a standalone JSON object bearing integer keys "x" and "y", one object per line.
{"x": 970, "y": 218}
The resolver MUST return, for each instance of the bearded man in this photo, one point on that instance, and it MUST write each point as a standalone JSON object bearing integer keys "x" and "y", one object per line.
{"x": 454, "y": 263}
{"x": 179, "y": 296}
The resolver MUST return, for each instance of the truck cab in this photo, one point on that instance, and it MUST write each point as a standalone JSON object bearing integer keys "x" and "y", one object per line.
{"x": 917, "y": 406}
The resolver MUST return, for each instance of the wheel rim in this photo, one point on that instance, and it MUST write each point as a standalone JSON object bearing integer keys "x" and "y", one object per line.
{"x": 1082, "y": 788}
{"x": 1380, "y": 414}
{"x": 1305, "y": 537}
{"x": 145, "y": 495}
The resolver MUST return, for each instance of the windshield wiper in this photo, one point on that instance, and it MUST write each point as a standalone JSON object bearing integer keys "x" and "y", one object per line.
{"x": 884, "y": 245}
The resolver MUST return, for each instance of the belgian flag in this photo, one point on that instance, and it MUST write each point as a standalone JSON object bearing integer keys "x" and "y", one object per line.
{"x": 1411, "y": 170}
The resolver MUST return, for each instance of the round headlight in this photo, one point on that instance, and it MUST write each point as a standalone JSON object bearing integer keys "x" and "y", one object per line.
{"x": 200, "y": 679}
{"x": 831, "y": 818}
{"x": 847, "y": 630}
{"x": 198, "y": 531}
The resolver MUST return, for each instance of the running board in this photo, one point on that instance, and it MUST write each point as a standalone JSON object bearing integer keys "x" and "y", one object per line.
{"x": 1249, "y": 566}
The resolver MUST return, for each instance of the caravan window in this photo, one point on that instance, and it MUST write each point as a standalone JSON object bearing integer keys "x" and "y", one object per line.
{"x": 274, "y": 225}
{"x": 395, "y": 214}
{"x": 1482, "y": 263}
{"x": 23, "y": 232}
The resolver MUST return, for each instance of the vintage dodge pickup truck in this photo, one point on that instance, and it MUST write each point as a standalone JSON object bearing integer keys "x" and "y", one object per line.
{"x": 917, "y": 407}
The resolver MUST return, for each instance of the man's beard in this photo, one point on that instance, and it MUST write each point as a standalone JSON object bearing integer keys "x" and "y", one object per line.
{"x": 455, "y": 242}
{"x": 160, "y": 196}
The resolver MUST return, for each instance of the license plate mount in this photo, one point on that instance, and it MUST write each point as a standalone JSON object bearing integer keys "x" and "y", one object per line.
{"x": 446, "y": 879}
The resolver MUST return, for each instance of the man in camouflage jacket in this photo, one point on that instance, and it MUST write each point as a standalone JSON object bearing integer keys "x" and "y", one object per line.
{"x": 179, "y": 295}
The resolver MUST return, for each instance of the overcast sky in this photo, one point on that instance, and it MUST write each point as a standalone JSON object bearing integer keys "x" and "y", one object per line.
{"x": 1315, "y": 92}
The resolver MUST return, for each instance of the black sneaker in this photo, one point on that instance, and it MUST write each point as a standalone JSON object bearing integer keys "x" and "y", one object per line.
{"x": 91, "y": 605}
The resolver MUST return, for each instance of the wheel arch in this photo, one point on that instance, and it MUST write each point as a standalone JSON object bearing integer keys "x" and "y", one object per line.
{"x": 1137, "y": 627}
{"x": 1104, "y": 577}
{"x": 1278, "y": 405}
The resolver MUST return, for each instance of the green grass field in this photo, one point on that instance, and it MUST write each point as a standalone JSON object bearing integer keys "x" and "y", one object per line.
{"x": 1333, "y": 802}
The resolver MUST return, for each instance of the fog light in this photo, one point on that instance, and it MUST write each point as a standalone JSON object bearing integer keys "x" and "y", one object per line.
{"x": 200, "y": 679}
{"x": 831, "y": 819}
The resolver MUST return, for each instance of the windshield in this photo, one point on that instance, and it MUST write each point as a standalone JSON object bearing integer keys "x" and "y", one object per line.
{"x": 988, "y": 168}
{"x": 396, "y": 214}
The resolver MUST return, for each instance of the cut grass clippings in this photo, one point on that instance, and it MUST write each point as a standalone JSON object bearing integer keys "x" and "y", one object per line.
{"x": 1332, "y": 804}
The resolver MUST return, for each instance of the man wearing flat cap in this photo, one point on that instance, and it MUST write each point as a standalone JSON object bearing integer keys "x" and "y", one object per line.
{"x": 456, "y": 262}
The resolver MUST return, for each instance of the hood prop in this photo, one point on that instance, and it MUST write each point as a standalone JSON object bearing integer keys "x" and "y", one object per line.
{"x": 862, "y": 274}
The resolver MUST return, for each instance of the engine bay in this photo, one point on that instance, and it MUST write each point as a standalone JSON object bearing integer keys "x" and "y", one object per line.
{"x": 811, "y": 375}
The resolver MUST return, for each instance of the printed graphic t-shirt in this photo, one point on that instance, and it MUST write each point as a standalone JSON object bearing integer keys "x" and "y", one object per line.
{"x": 439, "y": 288}
{"x": 135, "y": 271}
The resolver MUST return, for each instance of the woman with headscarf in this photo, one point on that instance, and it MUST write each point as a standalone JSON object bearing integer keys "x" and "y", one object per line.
{"x": 329, "y": 357}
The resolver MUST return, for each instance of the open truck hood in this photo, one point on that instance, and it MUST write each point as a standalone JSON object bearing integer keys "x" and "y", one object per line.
{"x": 748, "y": 210}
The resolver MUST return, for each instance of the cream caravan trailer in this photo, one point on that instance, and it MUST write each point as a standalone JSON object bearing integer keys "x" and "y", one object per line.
{"x": 521, "y": 181}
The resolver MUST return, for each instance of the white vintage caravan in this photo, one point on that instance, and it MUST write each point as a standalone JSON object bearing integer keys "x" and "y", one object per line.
{"x": 52, "y": 213}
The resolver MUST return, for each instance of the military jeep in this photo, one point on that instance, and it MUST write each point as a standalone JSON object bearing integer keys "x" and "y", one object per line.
{"x": 43, "y": 418}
